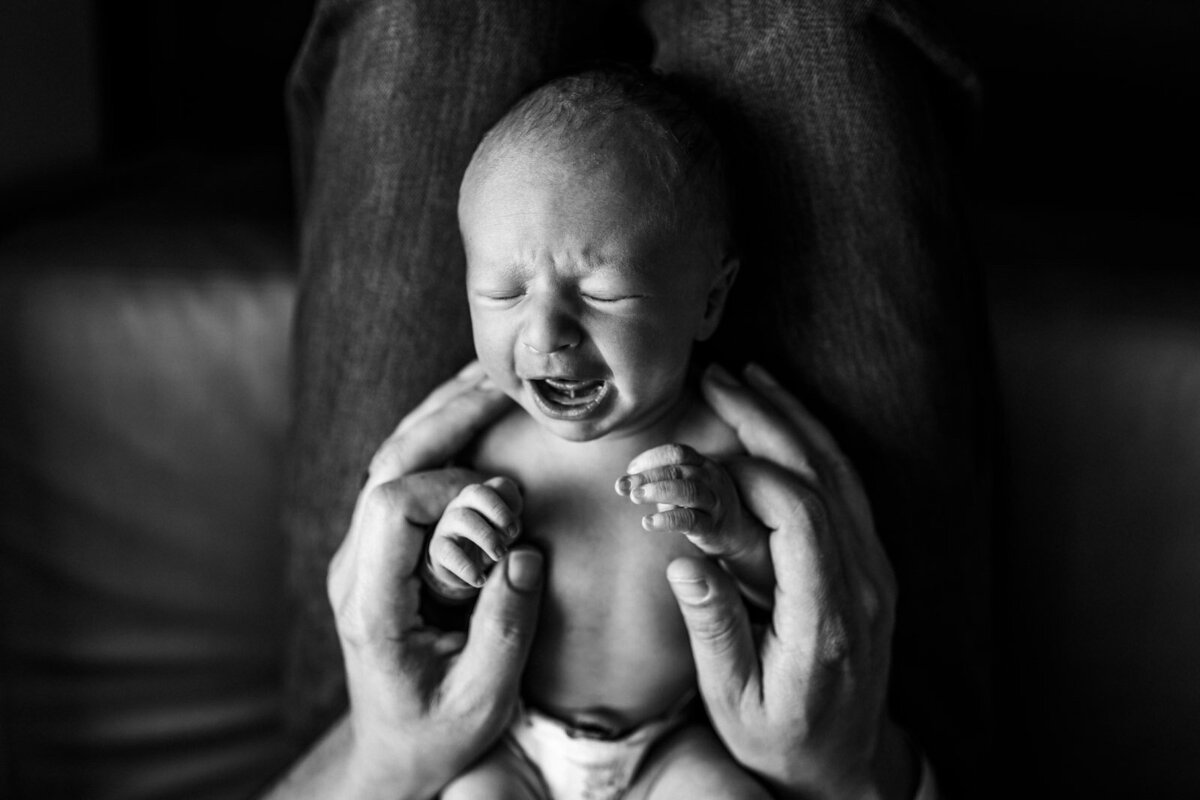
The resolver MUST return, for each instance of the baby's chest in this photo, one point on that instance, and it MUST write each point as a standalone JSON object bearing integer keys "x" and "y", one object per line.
{"x": 586, "y": 528}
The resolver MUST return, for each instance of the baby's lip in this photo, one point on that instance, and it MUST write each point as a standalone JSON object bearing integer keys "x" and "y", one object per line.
{"x": 570, "y": 399}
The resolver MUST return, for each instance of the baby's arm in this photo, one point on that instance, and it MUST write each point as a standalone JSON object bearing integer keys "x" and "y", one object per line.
{"x": 696, "y": 497}
{"x": 472, "y": 535}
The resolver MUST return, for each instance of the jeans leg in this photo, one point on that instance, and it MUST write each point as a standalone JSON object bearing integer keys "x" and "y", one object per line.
{"x": 859, "y": 288}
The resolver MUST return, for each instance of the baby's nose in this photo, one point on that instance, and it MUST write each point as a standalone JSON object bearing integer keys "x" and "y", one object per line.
{"x": 550, "y": 327}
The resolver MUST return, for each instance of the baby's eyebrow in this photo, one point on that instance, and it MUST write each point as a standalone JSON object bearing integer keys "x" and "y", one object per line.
{"x": 510, "y": 271}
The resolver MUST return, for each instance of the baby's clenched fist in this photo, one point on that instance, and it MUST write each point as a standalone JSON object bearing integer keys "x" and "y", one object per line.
{"x": 475, "y": 532}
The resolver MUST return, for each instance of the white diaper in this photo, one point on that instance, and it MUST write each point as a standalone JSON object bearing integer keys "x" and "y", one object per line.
{"x": 574, "y": 765}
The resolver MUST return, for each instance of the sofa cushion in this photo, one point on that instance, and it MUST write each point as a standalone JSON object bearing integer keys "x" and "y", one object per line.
{"x": 1098, "y": 345}
{"x": 144, "y": 410}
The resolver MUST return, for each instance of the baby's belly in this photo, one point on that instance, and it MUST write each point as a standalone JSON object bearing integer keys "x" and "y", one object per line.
{"x": 611, "y": 646}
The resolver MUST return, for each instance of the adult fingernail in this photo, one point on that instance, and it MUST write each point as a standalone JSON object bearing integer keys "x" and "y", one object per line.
{"x": 720, "y": 376}
{"x": 624, "y": 484}
{"x": 690, "y": 590}
{"x": 525, "y": 570}
{"x": 755, "y": 371}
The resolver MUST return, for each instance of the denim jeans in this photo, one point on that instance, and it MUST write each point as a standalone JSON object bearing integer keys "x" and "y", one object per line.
{"x": 857, "y": 286}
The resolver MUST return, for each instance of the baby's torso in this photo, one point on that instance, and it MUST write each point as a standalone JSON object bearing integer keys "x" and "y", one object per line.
{"x": 611, "y": 647}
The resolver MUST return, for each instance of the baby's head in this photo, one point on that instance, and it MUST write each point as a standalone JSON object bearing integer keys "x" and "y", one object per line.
{"x": 596, "y": 224}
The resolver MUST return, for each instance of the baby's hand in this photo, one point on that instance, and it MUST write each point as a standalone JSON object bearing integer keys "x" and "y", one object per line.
{"x": 473, "y": 534}
{"x": 696, "y": 497}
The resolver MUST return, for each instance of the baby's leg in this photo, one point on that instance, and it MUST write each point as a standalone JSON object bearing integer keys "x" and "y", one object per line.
{"x": 502, "y": 774}
{"x": 692, "y": 763}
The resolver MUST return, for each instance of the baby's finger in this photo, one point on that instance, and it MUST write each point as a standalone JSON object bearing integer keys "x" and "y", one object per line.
{"x": 692, "y": 494}
{"x": 688, "y": 521}
{"x": 672, "y": 472}
{"x": 509, "y": 492}
{"x": 466, "y": 523}
{"x": 493, "y": 501}
{"x": 448, "y": 553}
{"x": 664, "y": 455}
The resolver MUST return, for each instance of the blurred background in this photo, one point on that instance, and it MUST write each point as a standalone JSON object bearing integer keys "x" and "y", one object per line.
{"x": 149, "y": 138}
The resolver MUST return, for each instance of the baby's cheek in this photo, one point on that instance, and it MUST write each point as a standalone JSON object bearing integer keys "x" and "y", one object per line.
{"x": 497, "y": 361}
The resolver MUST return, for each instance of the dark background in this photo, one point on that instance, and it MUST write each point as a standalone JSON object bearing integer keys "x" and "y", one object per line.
{"x": 1083, "y": 164}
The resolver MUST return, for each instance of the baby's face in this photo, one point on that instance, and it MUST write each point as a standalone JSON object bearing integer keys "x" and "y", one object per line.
{"x": 584, "y": 308}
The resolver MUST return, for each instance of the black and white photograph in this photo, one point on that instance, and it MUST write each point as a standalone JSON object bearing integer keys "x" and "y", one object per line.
{"x": 599, "y": 400}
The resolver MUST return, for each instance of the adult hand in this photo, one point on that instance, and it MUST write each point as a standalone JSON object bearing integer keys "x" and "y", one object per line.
{"x": 804, "y": 707}
{"x": 423, "y": 703}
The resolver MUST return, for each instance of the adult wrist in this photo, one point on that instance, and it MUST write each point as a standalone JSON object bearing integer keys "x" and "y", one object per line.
{"x": 376, "y": 772}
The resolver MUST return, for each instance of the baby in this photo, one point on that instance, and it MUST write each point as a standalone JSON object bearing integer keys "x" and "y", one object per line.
{"x": 595, "y": 221}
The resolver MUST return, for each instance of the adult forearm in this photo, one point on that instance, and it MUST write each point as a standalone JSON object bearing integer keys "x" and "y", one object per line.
{"x": 336, "y": 768}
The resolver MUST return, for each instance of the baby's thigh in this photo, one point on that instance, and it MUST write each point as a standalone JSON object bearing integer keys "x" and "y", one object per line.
{"x": 502, "y": 774}
{"x": 692, "y": 763}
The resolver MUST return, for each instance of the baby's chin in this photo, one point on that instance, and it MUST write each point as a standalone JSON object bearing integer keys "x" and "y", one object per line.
{"x": 612, "y": 422}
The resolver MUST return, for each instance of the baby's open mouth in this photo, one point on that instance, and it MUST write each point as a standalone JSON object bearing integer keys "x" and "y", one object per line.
{"x": 566, "y": 398}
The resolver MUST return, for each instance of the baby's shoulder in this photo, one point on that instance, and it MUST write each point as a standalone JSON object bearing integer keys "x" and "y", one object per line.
{"x": 509, "y": 446}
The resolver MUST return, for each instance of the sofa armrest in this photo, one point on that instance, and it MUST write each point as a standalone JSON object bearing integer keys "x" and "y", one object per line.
{"x": 144, "y": 410}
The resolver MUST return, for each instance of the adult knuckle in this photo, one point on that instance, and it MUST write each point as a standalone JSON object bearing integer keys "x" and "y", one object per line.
{"x": 389, "y": 502}
{"x": 808, "y": 505}
{"x": 717, "y": 630}
{"x": 834, "y": 645}
{"x": 506, "y": 631}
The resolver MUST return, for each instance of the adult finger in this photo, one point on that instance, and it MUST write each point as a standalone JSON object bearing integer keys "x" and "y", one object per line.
{"x": 816, "y": 435}
{"x": 415, "y": 499}
{"x": 727, "y": 665}
{"x": 502, "y": 627}
{"x": 760, "y": 426}
{"x": 833, "y": 464}
{"x": 467, "y": 378}
{"x": 373, "y": 572}
{"x": 807, "y": 562}
{"x": 438, "y": 433}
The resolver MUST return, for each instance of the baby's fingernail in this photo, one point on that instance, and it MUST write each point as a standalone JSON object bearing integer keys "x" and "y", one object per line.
{"x": 623, "y": 484}
{"x": 525, "y": 570}
{"x": 720, "y": 376}
{"x": 690, "y": 590}
{"x": 512, "y": 531}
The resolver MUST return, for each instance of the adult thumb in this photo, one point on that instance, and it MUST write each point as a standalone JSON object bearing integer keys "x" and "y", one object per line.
{"x": 719, "y": 630}
{"x": 503, "y": 624}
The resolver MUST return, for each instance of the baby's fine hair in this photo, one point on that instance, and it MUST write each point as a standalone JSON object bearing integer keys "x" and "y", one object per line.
{"x": 641, "y": 112}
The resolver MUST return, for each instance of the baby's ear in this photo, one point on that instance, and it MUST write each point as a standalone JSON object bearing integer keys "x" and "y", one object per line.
{"x": 718, "y": 292}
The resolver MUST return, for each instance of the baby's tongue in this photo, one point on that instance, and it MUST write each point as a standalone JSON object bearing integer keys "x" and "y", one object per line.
{"x": 569, "y": 392}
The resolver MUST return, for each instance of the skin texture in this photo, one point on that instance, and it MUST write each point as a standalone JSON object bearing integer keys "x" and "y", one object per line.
{"x": 567, "y": 280}
{"x": 802, "y": 706}
{"x": 574, "y": 275}
{"x": 570, "y": 275}
{"x": 423, "y": 703}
